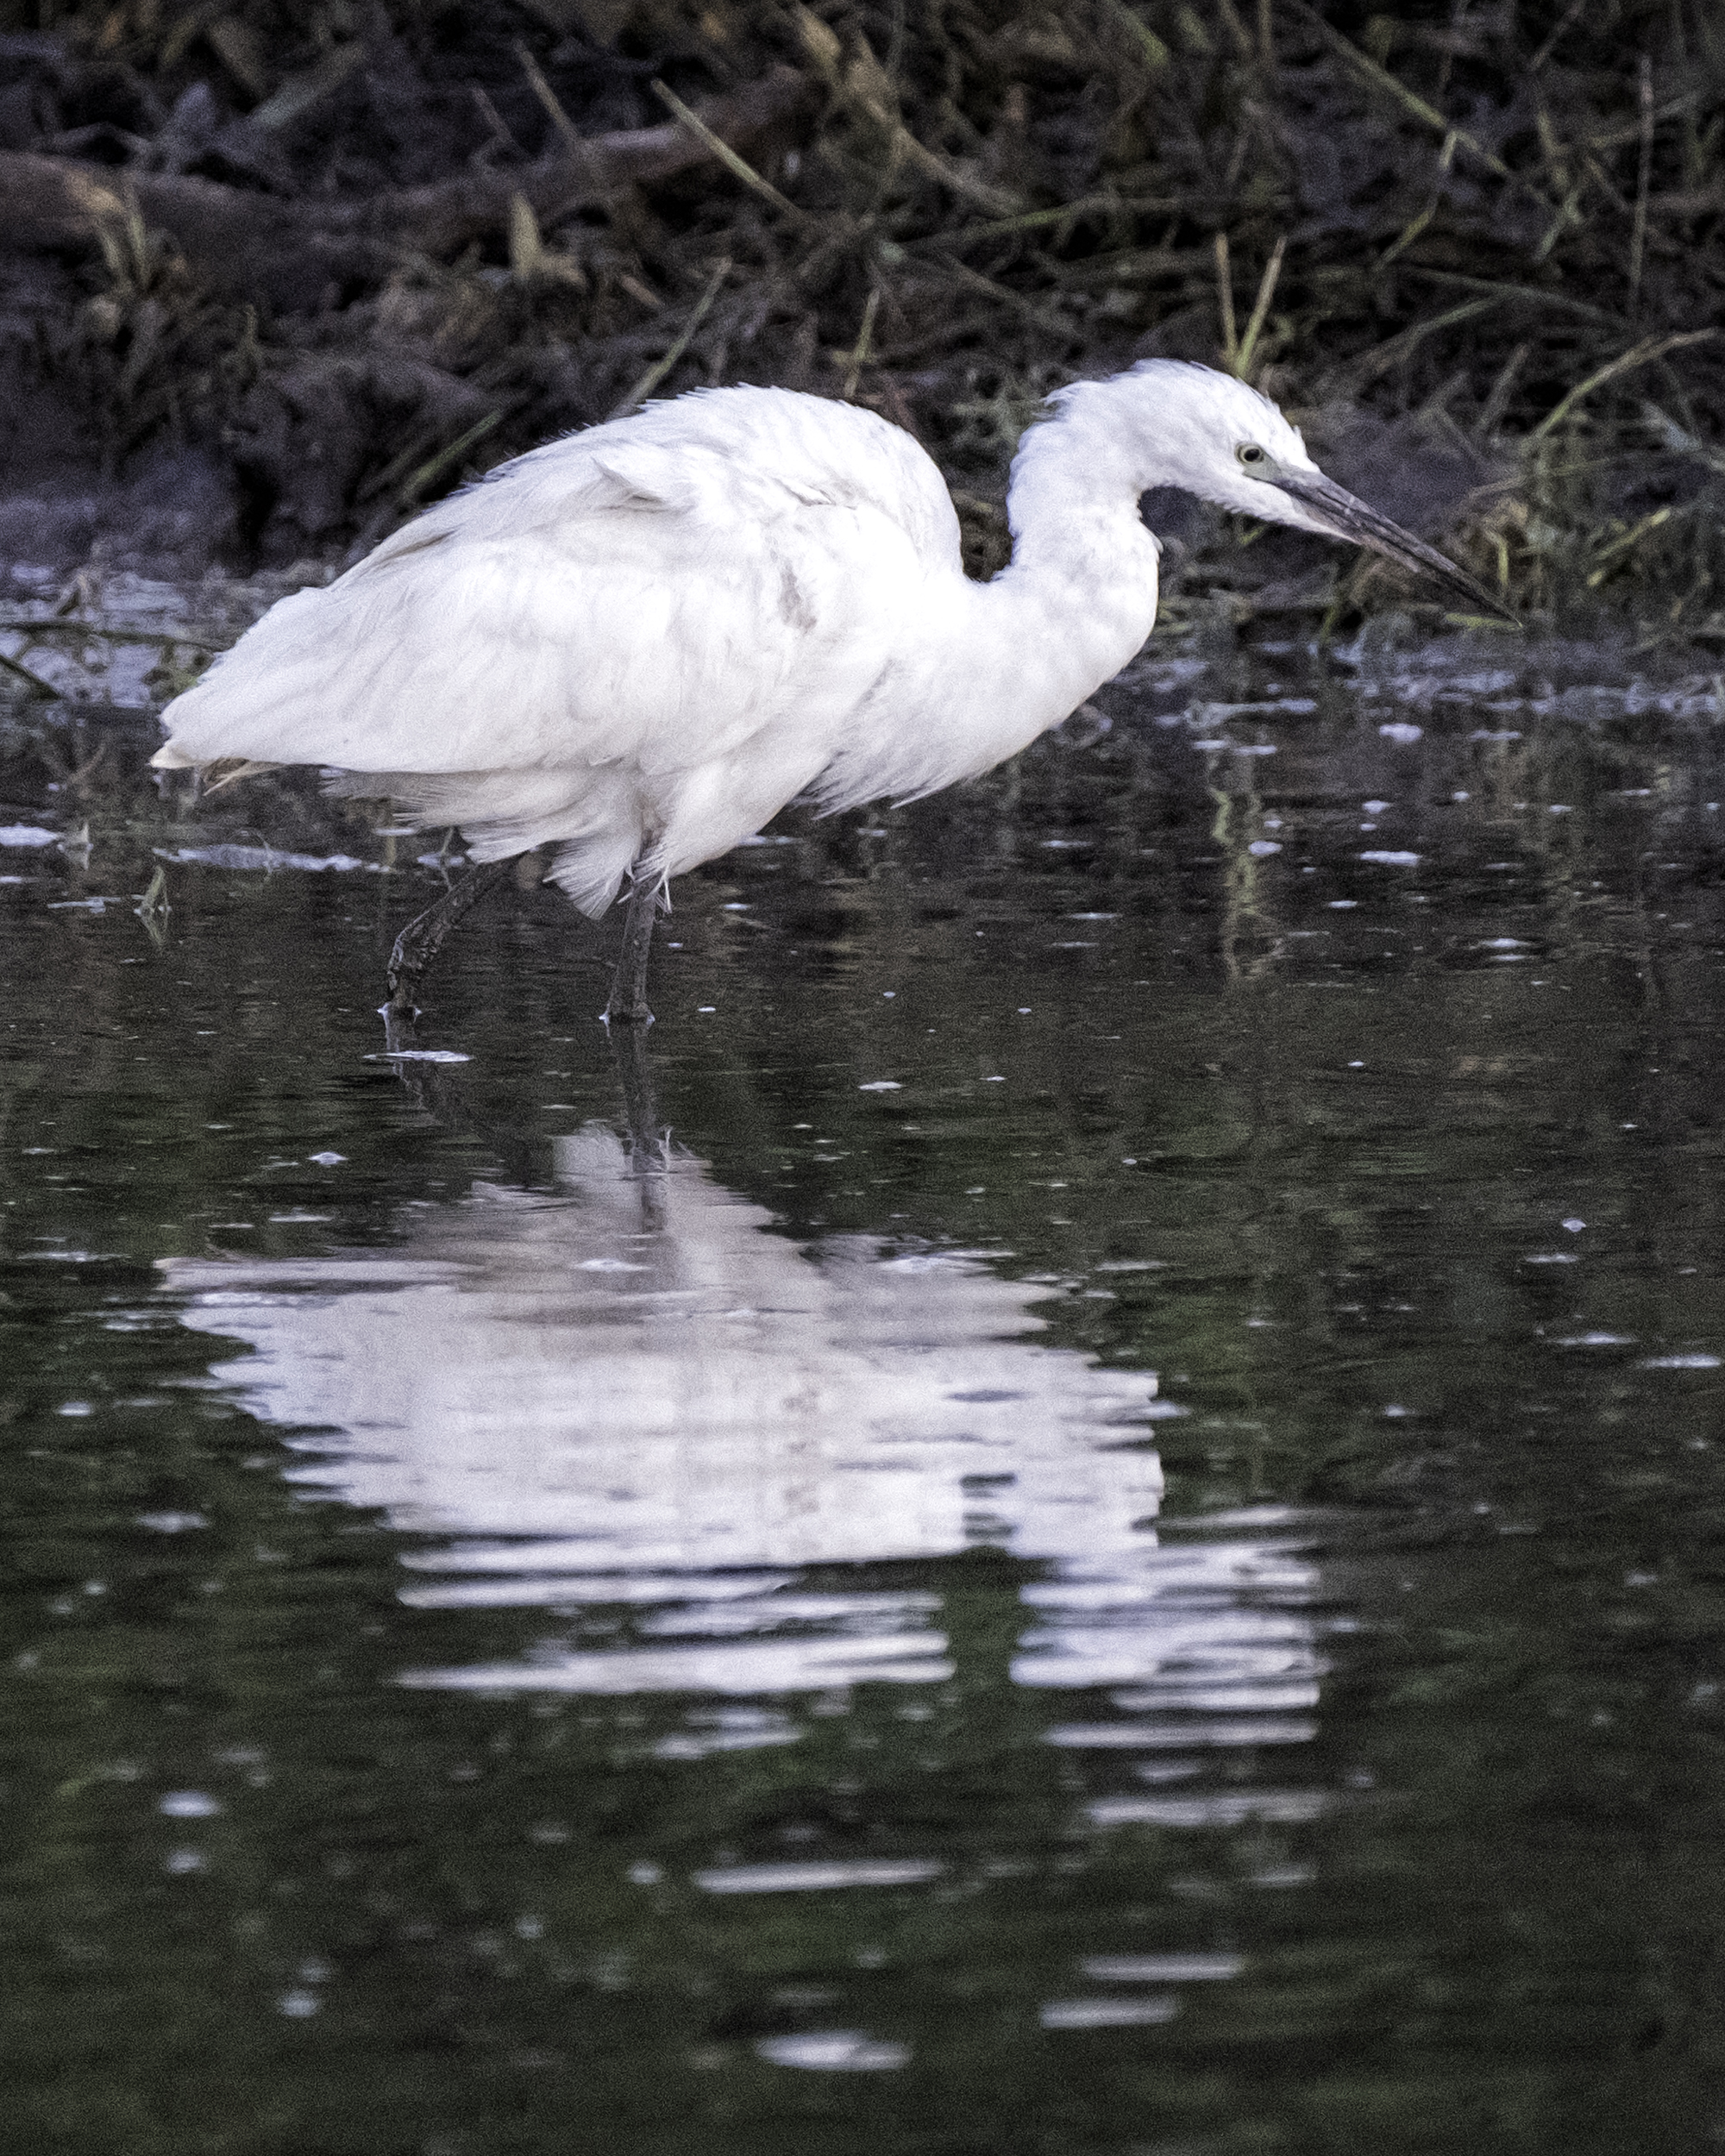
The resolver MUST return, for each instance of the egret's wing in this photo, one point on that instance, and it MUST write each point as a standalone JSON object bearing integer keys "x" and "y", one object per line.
{"x": 812, "y": 448}
{"x": 643, "y": 604}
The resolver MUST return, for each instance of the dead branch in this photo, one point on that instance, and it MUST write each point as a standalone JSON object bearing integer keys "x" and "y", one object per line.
{"x": 264, "y": 247}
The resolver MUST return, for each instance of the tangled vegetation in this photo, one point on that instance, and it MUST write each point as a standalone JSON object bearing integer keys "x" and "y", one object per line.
{"x": 332, "y": 258}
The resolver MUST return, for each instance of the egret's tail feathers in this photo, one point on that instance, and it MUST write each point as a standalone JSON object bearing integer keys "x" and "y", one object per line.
{"x": 216, "y": 772}
{"x": 592, "y": 874}
{"x": 228, "y": 770}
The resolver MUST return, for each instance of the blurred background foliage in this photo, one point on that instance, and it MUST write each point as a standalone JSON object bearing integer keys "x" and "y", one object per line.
{"x": 277, "y": 275}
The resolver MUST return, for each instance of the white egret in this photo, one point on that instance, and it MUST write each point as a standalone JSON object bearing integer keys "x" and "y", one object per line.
{"x": 635, "y": 644}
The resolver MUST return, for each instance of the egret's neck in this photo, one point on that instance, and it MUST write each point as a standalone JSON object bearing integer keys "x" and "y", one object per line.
{"x": 1079, "y": 597}
{"x": 1073, "y": 500}
{"x": 1001, "y": 662}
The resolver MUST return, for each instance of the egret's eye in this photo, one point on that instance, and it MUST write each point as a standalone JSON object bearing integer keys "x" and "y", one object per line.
{"x": 1250, "y": 455}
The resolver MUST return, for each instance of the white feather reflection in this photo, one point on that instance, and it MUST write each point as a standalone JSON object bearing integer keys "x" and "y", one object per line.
{"x": 675, "y": 1410}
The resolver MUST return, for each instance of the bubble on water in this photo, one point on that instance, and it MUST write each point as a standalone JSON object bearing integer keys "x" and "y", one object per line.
{"x": 188, "y": 1804}
{"x": 833, "y": 2051}
{"x": 267, "y": 859}
{"x": 1117, "y": 2013}
{"x": 419, "y": 1056}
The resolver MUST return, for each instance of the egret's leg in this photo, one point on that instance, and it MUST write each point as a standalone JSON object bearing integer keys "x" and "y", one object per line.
{"x": 425, "y": 934}
{"x": 649, "y": 1159}
{"x": 628, "y": 1004}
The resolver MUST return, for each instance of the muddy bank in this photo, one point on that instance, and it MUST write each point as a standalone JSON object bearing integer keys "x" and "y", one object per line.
{"x": 271, "y": 279}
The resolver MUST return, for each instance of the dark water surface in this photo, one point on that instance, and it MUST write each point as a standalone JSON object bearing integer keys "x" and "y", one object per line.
{"x": 1126, "y": 1555}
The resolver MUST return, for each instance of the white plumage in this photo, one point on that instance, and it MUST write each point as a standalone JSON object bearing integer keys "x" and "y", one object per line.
{"x": 636, "y": 644}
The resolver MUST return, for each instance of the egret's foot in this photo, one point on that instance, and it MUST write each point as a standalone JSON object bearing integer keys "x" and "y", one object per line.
{"x": 625, "y": 1013}
{"x": 398, "y": 1034}
{"x": 421, "y": 939}
{"x": 403, "y": 977}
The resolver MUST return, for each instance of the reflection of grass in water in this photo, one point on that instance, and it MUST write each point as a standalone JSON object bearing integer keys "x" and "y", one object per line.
{"x": 968, "y": 208}
{"x": 1237, "y": 825}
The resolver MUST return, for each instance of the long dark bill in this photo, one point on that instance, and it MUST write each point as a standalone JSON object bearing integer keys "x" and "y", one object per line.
{"x": 1350, "y": 518}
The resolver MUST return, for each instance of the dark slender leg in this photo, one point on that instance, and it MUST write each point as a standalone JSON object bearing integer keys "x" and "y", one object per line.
{"x": 425, "y": 934}
{"x": 628, "y": 1004}
{"x": 649, "y": 1155}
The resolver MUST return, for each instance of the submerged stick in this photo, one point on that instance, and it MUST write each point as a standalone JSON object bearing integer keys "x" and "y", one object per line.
{"x": 33, "y": 682}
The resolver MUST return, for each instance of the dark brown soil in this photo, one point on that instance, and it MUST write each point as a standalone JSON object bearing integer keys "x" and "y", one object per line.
{"x": 272, "y": 276}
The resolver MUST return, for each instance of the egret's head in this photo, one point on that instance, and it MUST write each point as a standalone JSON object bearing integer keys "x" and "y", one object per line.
{"x": 1220, "y": 439}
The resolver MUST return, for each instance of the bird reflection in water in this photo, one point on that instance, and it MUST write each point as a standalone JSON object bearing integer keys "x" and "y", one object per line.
{"x": 633, "y": 1391}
